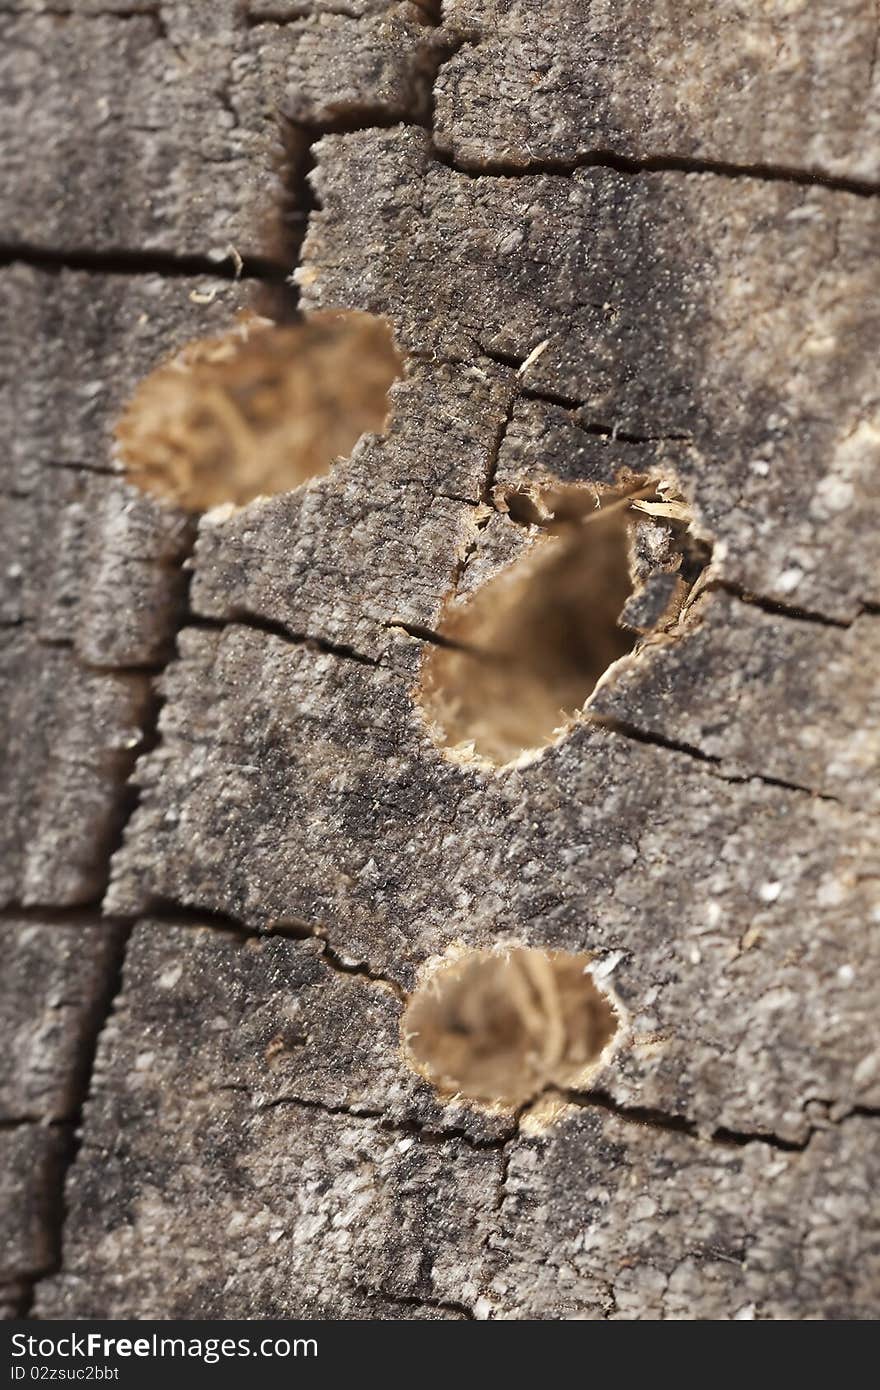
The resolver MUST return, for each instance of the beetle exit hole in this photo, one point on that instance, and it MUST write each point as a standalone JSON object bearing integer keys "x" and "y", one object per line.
{"x": 522, "y": 655}
{"x": 501, "y": 1026}
{"x": 258, "y": 410}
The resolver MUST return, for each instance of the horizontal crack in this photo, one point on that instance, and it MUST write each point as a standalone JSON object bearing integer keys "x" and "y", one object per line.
{"x": 297, "y": 15}
{"x": 77, "y": 914}
{"x": 418, "y": 1301}
{"x": 544, "y": 395}
{"x": 571, "y": 403}
{"x": 775, "y": 606}
{"x": 122, "y": 261}
{"x": 353, "y": 1111}
{"x": 428, "y": 634}
{"x": 27, "y": 1121}
{"x": 77, "y": 466}
{"x": 178, "y": 914}
{"x": 713, "y": 763}
{"x": 675, "y": 164}
{"x": 303, "y": 932}
{"x": 612, "y": 432}
{"x": 405, "y": 1129}
{"x": 679, "y": 1124}
{"x": 240, "y": 617}
{"x": 173, "y": 913}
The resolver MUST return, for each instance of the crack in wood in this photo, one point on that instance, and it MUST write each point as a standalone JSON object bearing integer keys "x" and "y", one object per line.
{"x": 405, "y": 1129}
{"x": 463, "y": 1310}
{"x": 171, "y": 264}
{"x": 226, "y": 265}
{"x": 680, "y": 1124}
{"x": 114, "y": 977}
{"x": 173, "y": 913}
{"x": 655, "y": 164}
{"x": 713, "y": 763}
{"x": 776, "y": 607}
{"x": 71, "y": 1127}
{"x": 255, "y": 622}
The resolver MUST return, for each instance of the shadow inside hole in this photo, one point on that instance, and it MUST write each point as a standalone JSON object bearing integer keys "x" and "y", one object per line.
{"x": 529, "y": 647}
{"x": 501, "y": 1026}
{"x": 258, "y": 410}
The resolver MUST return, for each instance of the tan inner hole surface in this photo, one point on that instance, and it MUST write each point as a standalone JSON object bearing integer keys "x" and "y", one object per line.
{"x": 501, "y": 1027}
{"x": 259, "y": 410}
{"x": 531, "y": 644}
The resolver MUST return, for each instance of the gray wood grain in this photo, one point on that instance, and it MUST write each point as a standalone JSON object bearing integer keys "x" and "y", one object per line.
{"x": 621, "y": 246}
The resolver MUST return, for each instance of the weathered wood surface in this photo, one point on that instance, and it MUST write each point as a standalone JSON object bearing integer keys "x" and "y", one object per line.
{"x": 634, "y": 195}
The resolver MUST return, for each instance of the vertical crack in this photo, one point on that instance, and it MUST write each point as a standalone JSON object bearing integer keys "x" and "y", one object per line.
{"x": 485, "y": 502}
{"x": 494, "y": 1227}
{"x": 71, "y": 1127}
{"x": 122, "y": 930}
{"x": 298, "y": 138}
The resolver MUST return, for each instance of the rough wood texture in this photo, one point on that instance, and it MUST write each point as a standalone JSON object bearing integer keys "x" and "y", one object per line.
{"x": 52, "y": 998}
{"x": 161, "y": 130}
{"x": 790, "y": 84}
{"x": 92, "y": 579}
{"x": 633, "y": 244}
